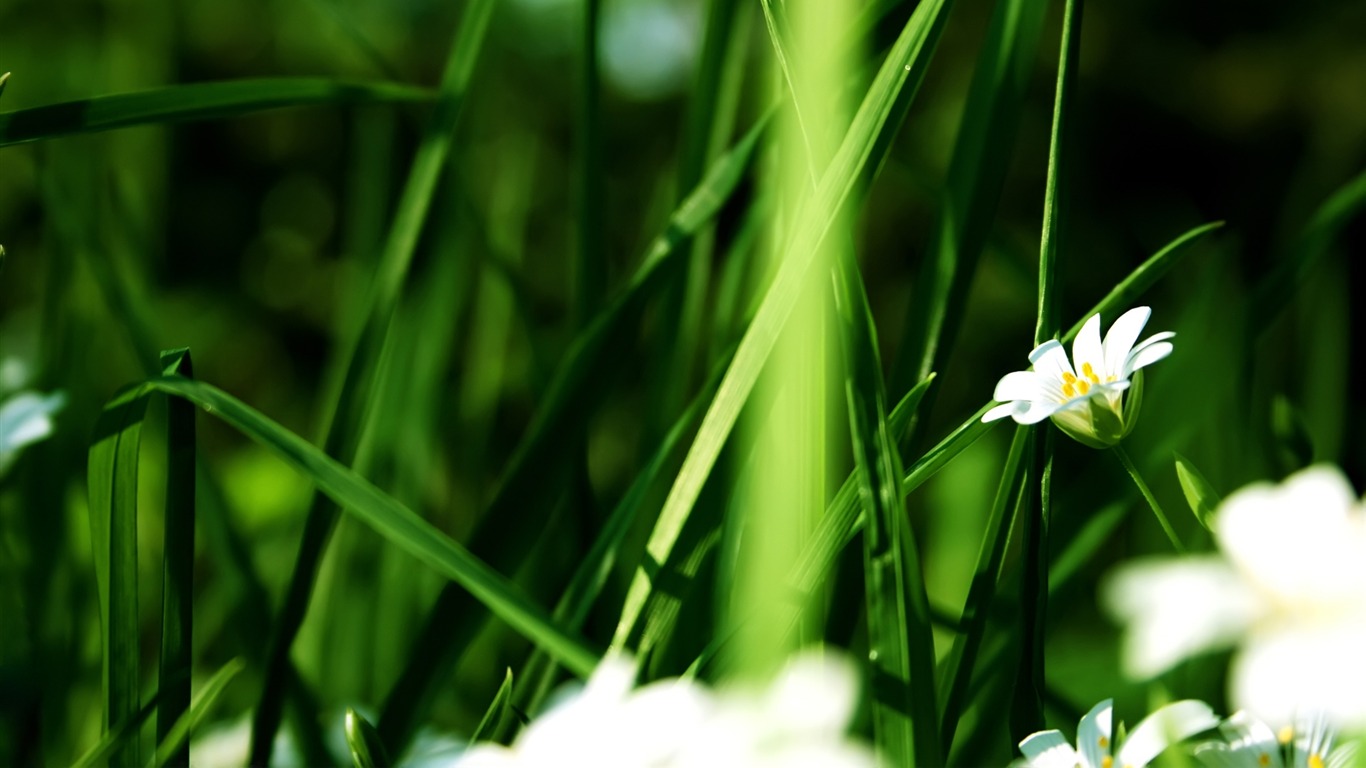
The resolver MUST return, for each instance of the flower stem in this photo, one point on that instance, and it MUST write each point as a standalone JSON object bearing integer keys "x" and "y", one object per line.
{"x": 1148, "y": 494}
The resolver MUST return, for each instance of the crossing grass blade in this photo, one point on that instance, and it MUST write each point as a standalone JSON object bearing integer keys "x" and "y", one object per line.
{"x": 370, "y": 505}
{"x": 535, "y": 472}
{"x": 177, "y": 585}
{"x": 362, "y": 357}
{"x": 194, "y": 102}
{"x": 114, "y": 740}
{"x": 862, "y": 150}
{"x": 176, "y": 741}
{"x": 900, "y": 640}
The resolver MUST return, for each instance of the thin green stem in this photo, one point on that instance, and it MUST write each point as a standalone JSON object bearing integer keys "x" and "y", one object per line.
{"x": 1148, "y": 494}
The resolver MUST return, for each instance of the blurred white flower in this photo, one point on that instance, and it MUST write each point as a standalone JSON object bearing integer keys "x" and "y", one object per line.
{"x": 798, "y": 721}
{"x": 1095, "y": 738}
{"x": 1085, "y": 396}
{"x": 1251, "y": 743}
{"x": 25, "y": 418}
{"x": 1289, "y": 587}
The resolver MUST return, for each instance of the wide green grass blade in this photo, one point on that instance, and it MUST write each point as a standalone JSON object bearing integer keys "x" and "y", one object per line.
{"x": 496, "y": 717}
{"x": 363, "y": 354}
{"x": 177, "y": 585}
{"x": 383, "y": 513}
{"x": 177, "y": 738}
{"x": 862, "y": 149}
{"x": 198, "y": 101}
{"x": 532, "y": 479}
{"x": 113, "y": 478}
{"x": 900, "y": 640}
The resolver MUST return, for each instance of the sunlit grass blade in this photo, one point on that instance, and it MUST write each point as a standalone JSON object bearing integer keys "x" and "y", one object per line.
{"x": 900, "y": 641}
{"x": 362, "y": 355}
{"x": 113, "y": 479}
{"x": 177, "y": 586}
{"x": 532, "y": 478}
{"x": 363, "y": 739}
{"x": 976, "y": 176}
{"x": 176, "y": 740}
{"x": 114, "y": 740}
{"x": 1084, "y": 545}
{"x": 198, "y": 101}
{"x": 495, "y": 719}
{"x": 962, "y": 658}
{"x": 862, "y": 149}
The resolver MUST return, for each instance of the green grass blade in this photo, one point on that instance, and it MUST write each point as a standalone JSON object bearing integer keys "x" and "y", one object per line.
{"x": 976, "y": 176}
{"x": 528, "y": 486}
{"x": 900, "y": 641}
{"x": 113, "y": 478}
{"x": 198, "y": 101}
{"x": 178, "y": 737}
{"x": 384, "y": 514}
{"x": 863, "y": 149}
{"x": 115, "y": 739}
{"x": 1200, "y": 495}
{"x": 177, "y": 595}
{"x": 494, "y": 719}
{"x": 590, "y": 260}
{"x": 366, "y": 749}
{"x": 362, "y": 356}
{"x": 982, "y": 590}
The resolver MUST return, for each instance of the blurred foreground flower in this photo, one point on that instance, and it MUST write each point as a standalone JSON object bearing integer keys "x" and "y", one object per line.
{"x": 1095, "y": 738}
{"x": 1289, "y": 588}
{"x": 799, "y": 720}
{"x": 25, "y": 418}
{"x": 1251, "y": 743}
{"x": 1085, "y": 396}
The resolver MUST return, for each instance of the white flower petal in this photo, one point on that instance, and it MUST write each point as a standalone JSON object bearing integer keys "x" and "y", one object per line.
{"x": 1251, "y": 741}
{"x": 1036, "y": 411}
{"x": 1018, "y": 385}
{"x": 489, "y": 756}
{"x": 1087, "y": 348}
{"x": 1094, "y": 733}
{"x": 1170, "y": 724}
{"x": 1282, "y": 671}
{"x": 1121, "y": 337}
{"x": 26, "y": 418}
{"x": 1050, "y": 361}
{"x": 1175, "y": 608}
{"x": 1048, "y": 749}
{"x": 1000, "y": 412}
{"x": 1142, "y": 358}
{"x": 1299, "y": 542}
{"x": 814, "y": 695}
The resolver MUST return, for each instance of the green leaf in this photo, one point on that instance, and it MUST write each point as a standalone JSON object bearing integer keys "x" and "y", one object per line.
{"x": 862, "y": 149}
{"x": 178, "y": 736}
{"x": 495, "y": 719}
{"x": 198, "y": 101}
{"x": 366, "y": 749}
{"x": 1200, "y": 495}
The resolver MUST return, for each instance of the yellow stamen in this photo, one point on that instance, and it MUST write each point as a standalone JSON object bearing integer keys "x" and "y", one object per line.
{"x": 1263, "y": 759}
{"x": 1103, "y": 741}
{"x": 1107, "y": 761}
{"x": 1090, "y": 373}
{"x": 1285, "y": 735}
{"x": 1069, "y": 377}
{"x": 1315, "y": 761}
{"x": 1069, "y": 390}
{"x": 1083, "y": 386}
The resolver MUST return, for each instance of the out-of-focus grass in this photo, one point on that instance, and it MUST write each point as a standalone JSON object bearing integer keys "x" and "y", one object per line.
{"x": 585, "y": 254}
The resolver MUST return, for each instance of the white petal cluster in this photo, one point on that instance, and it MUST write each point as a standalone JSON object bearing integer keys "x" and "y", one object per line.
{"x": 1250, "y": 743}
{"x": 1085, "y": 395}
{"x": 1288, "y": 588}
{"x": 799, "y": 721}
{"x": 1096, "y": 739}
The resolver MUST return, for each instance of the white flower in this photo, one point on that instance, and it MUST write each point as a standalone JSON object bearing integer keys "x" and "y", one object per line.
{"x": 1289, "y": 588}
{"x": 1085, "y": 396}
{"x": 1095, "y": 738}
{"x": 798, "y": 721}
{"x": 25, "y": 418}
{"x": 1251, "y": 743}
